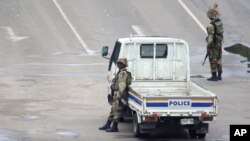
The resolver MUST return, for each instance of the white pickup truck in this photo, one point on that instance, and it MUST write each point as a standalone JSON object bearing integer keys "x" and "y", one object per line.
{"x": 161, "y": 90}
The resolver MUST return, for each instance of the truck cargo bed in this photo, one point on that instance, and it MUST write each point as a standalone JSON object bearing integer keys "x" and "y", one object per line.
{"x": 172, "y": 99}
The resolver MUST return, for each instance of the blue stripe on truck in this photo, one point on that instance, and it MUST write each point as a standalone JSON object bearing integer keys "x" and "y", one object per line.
{"x": 157, "y": 104}
{"x": 135, "y": 99}
{"x": 202, "y": 104}
{"x": 165, "y": 104}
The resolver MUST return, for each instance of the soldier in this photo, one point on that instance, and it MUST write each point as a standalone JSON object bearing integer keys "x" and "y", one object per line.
{"x": 119, "y": 87}
{"x": 214, "y": 43}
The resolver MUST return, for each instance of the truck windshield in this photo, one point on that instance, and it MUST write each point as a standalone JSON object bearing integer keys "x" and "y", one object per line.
{"x": 147, "y": 51}
{"x": 115, "y": 54}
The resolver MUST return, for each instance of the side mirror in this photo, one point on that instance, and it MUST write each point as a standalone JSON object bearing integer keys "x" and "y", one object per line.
{"x": 105, "y": 51}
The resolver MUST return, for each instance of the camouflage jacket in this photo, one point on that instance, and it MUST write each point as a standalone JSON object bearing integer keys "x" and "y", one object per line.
{"x": 120, "y": 82}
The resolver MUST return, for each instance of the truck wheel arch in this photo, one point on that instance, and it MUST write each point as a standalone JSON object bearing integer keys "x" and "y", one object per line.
{"x": 134, "y": 113}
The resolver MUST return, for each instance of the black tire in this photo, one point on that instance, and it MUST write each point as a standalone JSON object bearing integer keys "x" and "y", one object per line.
{"x": 201, "y": 136}
{"x": 137, "y": 132}
{"x": 192, "y": 133}
{"x": 121, "y": 119}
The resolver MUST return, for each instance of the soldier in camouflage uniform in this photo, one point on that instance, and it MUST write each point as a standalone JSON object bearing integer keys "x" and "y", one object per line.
{"x": 214, "y": 43}
{"x": 119, "y": 86}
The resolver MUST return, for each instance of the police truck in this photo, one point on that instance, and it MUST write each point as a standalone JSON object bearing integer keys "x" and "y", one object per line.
{"x": 161, "y": 92}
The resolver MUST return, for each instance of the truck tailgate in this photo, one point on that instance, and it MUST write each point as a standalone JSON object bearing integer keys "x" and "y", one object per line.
{"x": 193, "y": 103}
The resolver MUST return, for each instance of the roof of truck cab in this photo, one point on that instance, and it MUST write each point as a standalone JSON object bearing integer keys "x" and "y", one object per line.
{"x": 142, "y": 39}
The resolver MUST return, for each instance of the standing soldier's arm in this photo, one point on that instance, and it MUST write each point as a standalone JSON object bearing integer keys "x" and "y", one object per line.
{"x": 122, "y": 82}
{"x": 210, "y": 34}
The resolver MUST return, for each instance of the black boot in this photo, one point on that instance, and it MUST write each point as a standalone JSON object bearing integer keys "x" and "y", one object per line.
{"x": 106, "y": 126}
{"x": 213, "y": 78}
{"x": 114, "y": 128}
{"x": 219, "y": 75}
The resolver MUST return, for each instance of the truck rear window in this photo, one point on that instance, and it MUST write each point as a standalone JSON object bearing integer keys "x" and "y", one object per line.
{"x": 147, "y": 51}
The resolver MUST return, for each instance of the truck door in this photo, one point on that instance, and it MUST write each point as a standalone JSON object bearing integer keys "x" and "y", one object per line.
{"x": 115, "y": 54}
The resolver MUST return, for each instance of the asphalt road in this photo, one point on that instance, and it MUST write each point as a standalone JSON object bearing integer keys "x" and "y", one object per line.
{"x": 52, "y": 78}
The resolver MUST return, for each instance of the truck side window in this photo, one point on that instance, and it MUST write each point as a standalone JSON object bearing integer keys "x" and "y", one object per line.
{"x": 147, "y": 50}
{"x": 115, "y": 54}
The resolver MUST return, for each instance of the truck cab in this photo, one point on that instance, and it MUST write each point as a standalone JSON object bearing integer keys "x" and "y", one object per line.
{"x": 152, "y": 58}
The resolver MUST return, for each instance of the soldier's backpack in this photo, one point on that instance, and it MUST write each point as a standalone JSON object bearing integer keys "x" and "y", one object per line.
{"x": 129, "y": 79}
{"x": 218, "y": 27}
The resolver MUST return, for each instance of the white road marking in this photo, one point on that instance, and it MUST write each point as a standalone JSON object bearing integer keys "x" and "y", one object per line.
{"x": 92, "y": 75}
{"x": 96, "y": 53}
{"x": 239, "y": 65}
{"x": 83, "y": 44}
{"x": 196, "y": 20}
{"x": 33, "y": 56}
{"x": 192, "y": 15}
{"x": 58, "y": 53}
{"x": 12, "y": 35}
{"x": 54, "y": 64}
{"x": 138, "y": 30}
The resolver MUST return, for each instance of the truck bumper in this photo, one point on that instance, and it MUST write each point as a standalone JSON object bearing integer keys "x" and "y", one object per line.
{"x": 148, "y": 126}
{"x": 198, "y": 126}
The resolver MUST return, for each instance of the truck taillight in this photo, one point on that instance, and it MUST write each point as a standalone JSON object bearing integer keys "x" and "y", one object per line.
{"x": 148, "y": 119}
{"x": 155, "y": 115}
{"x": 205, "y": 117}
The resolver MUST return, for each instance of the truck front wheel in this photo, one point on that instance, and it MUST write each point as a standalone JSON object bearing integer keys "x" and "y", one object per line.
{"x": 137, "y": 132}
{"x": 193, "y": 134}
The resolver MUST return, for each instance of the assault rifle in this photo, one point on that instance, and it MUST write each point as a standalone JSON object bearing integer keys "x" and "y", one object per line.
{"x": 205, "y": 59}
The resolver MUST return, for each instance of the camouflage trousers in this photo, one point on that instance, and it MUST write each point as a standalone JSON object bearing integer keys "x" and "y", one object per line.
{"x": 116, "y": 109}
{"x": 215, "y": 58}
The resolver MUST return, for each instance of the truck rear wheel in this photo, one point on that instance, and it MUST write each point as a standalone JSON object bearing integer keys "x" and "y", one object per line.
{"x": 137, "y": 132}
{"x": 201, "y": 136}
{"x": 121, "y": 119}
{"x": 192, "y": 133}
